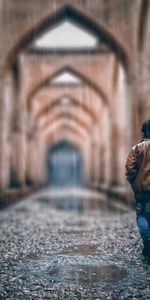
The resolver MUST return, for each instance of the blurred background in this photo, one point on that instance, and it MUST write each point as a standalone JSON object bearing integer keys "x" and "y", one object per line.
{"x": 74, "y": 91}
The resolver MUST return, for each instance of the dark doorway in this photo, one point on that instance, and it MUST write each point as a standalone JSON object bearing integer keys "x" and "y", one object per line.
{"x": 64, "y": 165}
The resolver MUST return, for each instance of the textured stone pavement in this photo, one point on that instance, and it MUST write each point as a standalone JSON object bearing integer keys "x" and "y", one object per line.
{"x": 51, "y": 251}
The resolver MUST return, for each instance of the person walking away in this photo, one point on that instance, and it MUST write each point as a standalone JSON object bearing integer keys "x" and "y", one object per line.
{"x": 138, "y": 175}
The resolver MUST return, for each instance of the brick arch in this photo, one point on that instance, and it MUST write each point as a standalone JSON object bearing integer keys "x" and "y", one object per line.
{"x": 58, "y": 133}
{"x": 85, "y": 79}
{"x": 62, "y": 122}
{"x": 56, "y": 102}
{"x": 82, "y": 96}
{"x": 76, "y": 14}
{"x": 69, "y": 116}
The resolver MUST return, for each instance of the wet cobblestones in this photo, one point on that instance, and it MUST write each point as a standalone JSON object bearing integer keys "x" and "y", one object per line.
{"x": 57, "y": 254}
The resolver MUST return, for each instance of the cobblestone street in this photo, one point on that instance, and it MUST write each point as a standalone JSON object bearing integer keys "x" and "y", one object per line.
{"x": 50, "y": 251}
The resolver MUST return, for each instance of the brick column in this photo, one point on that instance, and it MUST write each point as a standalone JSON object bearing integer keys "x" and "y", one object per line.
{"x": 6, "y": 103}
{"x": 121, "y": 115}
{"x": 36, "y": 159}
{"x": 19, "y": 139}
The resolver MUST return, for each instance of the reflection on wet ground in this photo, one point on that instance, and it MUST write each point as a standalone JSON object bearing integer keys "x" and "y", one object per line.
{"x": 79, "y": 200}
{"x": 76, "y": 247}
{"x": 84, "y": 250}
{"x": 88, "y": 274}
{"x": 64, "y": 203}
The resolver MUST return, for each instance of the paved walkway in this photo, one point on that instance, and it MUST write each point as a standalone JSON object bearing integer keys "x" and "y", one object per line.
{"x": 71, "y": 246}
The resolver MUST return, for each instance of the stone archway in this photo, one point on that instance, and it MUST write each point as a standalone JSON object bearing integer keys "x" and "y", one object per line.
{"x": 74, "y": 13}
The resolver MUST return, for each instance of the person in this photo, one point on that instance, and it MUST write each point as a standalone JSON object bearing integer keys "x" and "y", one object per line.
{"x": 138, "y": 175}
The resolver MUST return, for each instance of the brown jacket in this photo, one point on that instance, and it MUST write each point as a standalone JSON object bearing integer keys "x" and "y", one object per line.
{"x": 138, "y": 166}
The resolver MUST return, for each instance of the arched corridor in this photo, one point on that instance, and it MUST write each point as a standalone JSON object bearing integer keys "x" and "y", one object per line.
{"x": 74, "y": 91}
{"x": 58, "y": 86}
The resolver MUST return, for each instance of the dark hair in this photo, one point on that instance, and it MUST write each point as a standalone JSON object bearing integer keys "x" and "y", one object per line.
{"x": 146, "y": 128}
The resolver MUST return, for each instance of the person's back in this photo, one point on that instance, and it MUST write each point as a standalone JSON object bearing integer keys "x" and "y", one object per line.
{"x": 138, "y": 175}
{"x": 138, "y": 166}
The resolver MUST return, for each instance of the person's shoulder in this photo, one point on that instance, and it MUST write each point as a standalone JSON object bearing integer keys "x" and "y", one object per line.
{"x": 135, "y": 147}
{"x": 138, "y": 146}
{"x": 145, "y": 142}
{"x": 141, "y": 145}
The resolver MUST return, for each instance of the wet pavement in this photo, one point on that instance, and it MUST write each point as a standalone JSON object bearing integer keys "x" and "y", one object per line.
{"x": 71, "y": 247}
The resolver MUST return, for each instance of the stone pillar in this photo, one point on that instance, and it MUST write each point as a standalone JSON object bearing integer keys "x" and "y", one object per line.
{"x": 102, "y": 164}
{"x": 121, "y": 129}
{"x": 96, "y": 136}
{"x": 36, "y": 160}
{"x": 106, "y": 147}
{"x": 19, "y": 142}
{"x": 87, "y": 160}
{"x": 6, "y": 102}
{"x": 19, "y": 157}
{"x": 143, "y": 76}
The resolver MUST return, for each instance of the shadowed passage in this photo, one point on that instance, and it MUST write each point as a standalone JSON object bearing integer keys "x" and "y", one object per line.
{"x": 64, "y": 165}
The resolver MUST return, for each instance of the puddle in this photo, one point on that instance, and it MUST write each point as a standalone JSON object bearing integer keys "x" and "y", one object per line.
{"x": 74, "y": 269}
{"x": 83, "y": 250}
{"x": 63, "y": 203}
{"x": 73, "y": 203}
{"x": 88, "y": 274}
{"x": 22, "y": 210}
{"x": 42, "y": 200}
{"x": 76, "y": 232}
{"x": 75, "y": 224}
{"x": 29, "y": 257}
{"x": 69, "y": 270}
{"x": 81, "y": 204}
